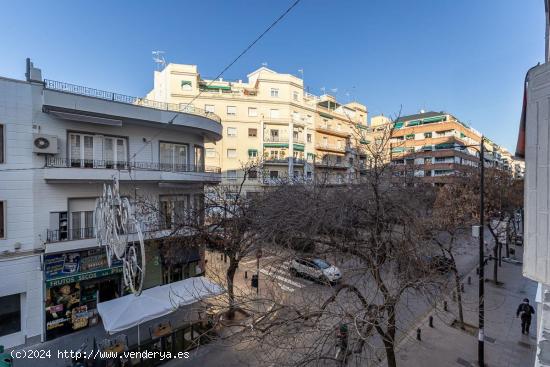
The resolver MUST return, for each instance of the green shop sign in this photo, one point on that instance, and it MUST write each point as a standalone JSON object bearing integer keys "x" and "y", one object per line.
{"x": 83, "y": 276}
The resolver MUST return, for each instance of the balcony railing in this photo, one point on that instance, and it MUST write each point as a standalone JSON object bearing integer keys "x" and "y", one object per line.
{"x": 58, "y": 162}
{"x": 76, "y": 234}
{"x": 332, "y": 147}
{"x": 276, "y": 139}
{"x": 297, "y": 161}
{"x": 137, "y": 101}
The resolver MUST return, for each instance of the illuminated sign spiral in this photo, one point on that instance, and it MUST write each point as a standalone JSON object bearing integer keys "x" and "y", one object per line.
{"x": 120, "y": 233}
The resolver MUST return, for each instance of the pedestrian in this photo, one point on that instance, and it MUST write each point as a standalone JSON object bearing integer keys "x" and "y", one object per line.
{"x": 525, "y": 310}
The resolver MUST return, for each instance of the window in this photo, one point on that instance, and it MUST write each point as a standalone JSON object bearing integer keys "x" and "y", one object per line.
{"x": 89, "y": 150}
{"x": 82, "y": 224}
{"x": 10, "y": 314}
{"x": 173, "y": 157}
{"x": 427, "y": 135}
{"x": 174, "y": 210}
{"x": 295, "y": 135}
{"x": 325, "y": 141}
{"x": 295, "y": 116}
{"x": 209, "y": 108}
{"x": 231, "y": 110}
{"x": 273, "y": 174}
{"x": 295, "y": 95}
{"x": 274, "y": 113}
{"x": 186, "y": 85}
{"x": 308, "y": 136}
{"x": 232, "y": 131}
{"x": 252, "y": 174}
{"x": 252, "y": 153}
{"x": 252, "y": 112}
{"x": 409, "y": 137}
{"x": 252, "y": 133}
{"x": 231, "y": 153}
{"x": 231, "y": 174}
{"x": 1, "y": 143}
{"x": 199, "y": 158}
{"x": 3, "y": 221}
{"x": 210, "y": 153}
{"x": 274, "y": 92}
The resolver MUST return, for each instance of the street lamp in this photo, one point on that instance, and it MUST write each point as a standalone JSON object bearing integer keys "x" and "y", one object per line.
{"x": 481, "y": 295}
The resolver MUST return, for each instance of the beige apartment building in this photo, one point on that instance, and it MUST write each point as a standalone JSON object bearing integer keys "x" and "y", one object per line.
{"x": 269, "y": 122}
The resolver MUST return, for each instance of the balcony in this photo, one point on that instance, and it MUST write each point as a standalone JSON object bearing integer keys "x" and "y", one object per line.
{"x": 330, "y": 147}
{"x": 276, "y": 139}
{"x": 332, "y": 131}
{"x": 84, "y": 104}
{"x": 78, "y": 170}
{"x": 284, "y": 161}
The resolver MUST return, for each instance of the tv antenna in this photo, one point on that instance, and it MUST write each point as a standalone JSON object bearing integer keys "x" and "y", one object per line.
{"x": 158, "y": 58}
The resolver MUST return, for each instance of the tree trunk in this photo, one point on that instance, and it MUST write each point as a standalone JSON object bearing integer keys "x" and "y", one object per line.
{"x": 495, "y": 264}
{"x": 230, "y": 274}
{"x": 500, "y": 254}
{"x": 389, "y": 337}
{"x": 459, "y": 299}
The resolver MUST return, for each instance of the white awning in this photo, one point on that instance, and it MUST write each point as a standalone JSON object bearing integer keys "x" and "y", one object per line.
{"x": 125, "y": 312}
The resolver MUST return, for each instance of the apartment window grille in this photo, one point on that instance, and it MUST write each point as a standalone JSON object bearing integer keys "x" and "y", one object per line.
{"x": 252, "y": 133}
{"x": 173, "y": 156}
{"x": 231, "y": 153}
{"x": 232, "y": 131}
{"x": 274, "y": 92}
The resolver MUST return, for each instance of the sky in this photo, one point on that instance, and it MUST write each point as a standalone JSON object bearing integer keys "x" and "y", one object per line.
{"x": 467, "y": 57}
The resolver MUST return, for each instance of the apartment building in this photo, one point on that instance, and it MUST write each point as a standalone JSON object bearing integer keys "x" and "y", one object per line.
{"x": 431, "y": 145}
{"x": 269, "y": 121}
{"x": 59, "y": 144}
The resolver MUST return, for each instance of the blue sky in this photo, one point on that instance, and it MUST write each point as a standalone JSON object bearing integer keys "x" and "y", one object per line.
{"x": 467, "y": 57}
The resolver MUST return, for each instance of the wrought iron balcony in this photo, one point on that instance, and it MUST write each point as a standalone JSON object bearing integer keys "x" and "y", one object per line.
{"x": 76, "y": 234}
{"x": 59, "y": 162}
{"x": 121, "y": 98}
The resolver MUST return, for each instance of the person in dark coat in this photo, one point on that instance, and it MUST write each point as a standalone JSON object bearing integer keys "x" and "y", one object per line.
{"x": 525, "y": 310}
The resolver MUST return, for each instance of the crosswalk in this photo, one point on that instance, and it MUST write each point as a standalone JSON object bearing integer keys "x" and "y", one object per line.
{"x": 281, "y": 276}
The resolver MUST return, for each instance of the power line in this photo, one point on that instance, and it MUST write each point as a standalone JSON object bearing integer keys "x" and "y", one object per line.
{"x": 271, "y": 26}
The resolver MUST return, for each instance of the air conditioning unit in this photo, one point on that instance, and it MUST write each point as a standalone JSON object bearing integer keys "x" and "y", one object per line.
{"x": 45, "y": 144}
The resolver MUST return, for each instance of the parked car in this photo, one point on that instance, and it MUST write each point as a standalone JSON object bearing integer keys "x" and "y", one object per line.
{"x": 316, "y": 269}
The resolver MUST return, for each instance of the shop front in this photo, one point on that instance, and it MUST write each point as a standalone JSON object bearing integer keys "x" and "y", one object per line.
{"x": 75, "y": 283}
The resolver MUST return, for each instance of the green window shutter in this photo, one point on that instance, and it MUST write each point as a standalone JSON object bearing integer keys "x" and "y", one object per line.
{"x": 398, "y": 125}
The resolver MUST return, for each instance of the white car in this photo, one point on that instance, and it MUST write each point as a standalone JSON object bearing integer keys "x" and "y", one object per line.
{"x": 315, "y": 268}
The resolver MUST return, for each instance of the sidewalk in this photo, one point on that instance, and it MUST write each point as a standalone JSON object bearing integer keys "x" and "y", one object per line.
{"x": 505, "y": 346}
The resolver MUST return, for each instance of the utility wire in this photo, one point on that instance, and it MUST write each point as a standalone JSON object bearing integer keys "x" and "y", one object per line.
{"x": 270, "y": 27}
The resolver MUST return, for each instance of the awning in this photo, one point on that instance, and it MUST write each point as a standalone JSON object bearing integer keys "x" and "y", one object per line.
{"x": 125, "y": 312}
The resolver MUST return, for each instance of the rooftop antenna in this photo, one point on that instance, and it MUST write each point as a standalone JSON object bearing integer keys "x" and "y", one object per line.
{"x": 158, "y": 58}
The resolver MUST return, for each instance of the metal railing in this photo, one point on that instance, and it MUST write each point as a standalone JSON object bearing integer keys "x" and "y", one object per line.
{"x": 270, "y": 160}
{"x": 335, "y": 147}
{"x": 276, "y": 139}
{"x": 137, "y": 101}
{"x": 59, "y": 162}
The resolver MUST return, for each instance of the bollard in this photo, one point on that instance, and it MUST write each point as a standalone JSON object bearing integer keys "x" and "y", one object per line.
{"x": 431, "y": 321}
{"x": 246, "y": 275}
{"x": 418, "y": 336}
{"x": 445, "y": 306}
{"x": 469, "y": 280}
{"x": 462, "y": 287}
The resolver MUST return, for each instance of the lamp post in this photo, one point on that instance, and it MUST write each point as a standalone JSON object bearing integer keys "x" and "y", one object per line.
{"x": 481, "y": 287}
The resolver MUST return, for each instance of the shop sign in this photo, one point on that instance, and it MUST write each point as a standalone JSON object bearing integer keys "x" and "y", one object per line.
{"x": 61, "y": 265}
{"x": 82, "y": 276}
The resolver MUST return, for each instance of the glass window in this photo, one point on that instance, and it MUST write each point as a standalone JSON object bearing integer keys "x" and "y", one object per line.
{"x": 210, "y": 153}
{"x": 199, "y": 158}
{"x": 273, "y": 174}
{"x": 252, "y": 132}
{"x": 186, "y": 85}
{"x": 232, "y": 131}
{"x": 252, "y": 112}
{"x": 308, "y": 138}
{"x": 231, "y": 110}
{"x": 274, "y": 92}
{"x": 173, "y": 156}
{"x": 209, "y": 108}
{"x": 427, "y": 135}
{"x": 252, "y": 153}
{"x": 295, "y": 95}
{"x": 231, "y": 153}
{"x": 252, "y": 174}
{"x": 10, "y": 314}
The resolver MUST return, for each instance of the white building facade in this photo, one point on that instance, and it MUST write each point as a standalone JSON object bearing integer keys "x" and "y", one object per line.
{"x": 59, "y": 144}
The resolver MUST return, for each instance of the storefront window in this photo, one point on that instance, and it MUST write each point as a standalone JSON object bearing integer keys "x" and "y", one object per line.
{"x": 10, "y": 314}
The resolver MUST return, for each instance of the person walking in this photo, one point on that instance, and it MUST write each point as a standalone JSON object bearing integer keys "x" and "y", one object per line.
{"x": 526, "y": 311}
